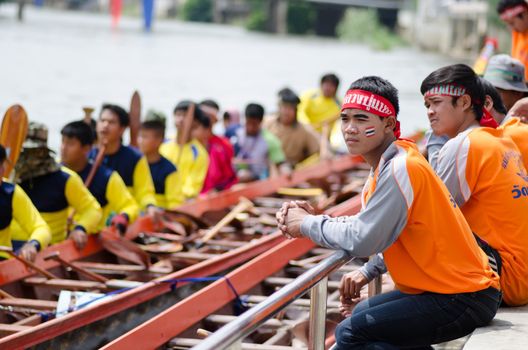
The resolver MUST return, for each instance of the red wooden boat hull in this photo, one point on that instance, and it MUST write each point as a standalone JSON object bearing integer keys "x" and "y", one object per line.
{"x": 12, "y": 270}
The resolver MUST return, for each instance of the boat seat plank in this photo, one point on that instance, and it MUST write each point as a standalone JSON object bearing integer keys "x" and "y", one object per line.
{"x": 508, "y": 330}
{"x": 271, "y": 323}
{"x": 64, "y": 283}
{"x": 118, "y": 268}
{"x": 188, "y": 342}
{"x": 32, "y": 320}
{"x": 29, "y": 303}
{"x": 282, "y": 281}
{"x": 7, "y": 329}
{"x": 256, "y": 299}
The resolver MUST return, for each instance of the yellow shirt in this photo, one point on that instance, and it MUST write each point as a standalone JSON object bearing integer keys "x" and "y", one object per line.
{"x": 111, "y": 193}
{"x": 53, "y": 194}
{"x": 133, "y": 168}
{"x": 192, "y": 165}
{"x": 166, "y": 180}
{"x": 316, "y": 108}
{"x": 15, "y": 206}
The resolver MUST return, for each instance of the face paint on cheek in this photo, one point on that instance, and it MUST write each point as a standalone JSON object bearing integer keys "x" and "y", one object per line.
{"x": 370, "y": 131}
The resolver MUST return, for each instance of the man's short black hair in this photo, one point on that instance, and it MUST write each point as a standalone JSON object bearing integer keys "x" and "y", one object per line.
{"x": 460, "y": 75}
{"x": 490, "y": 90}
{"x": 503, "y": 5}
{"x": 331, "y": 78}
{"x": 204, "y": 121}
{"x": 210, "y": 103}
{"x": 288, "y": 96}
{"x": 3, "y": 154}
{"x": 122, "y": 115}
{"x": 183, "y": 106}
{"x": 155, "y": 125}
{"x": 254, "y": 111}
{"x": 79, "y": 130}
{"x": 378, "y": 86}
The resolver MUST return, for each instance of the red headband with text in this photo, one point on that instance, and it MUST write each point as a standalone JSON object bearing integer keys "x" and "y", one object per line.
{"x": 370, "y": 102}
{"x": 457, "y": 91}
{"x": 511, "y": 12}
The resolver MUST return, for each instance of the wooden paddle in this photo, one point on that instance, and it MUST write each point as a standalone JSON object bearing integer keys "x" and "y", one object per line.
{"x": 88, "y": 115}
{"x": 243, "y": 205}
{"x": 135, "y": 118}
{"x": 185, "y": 135}
{"x": 12, "y": 135}
{"x": 123, "y": 248}
{"x": 97, "y": 163}
{"x": 28, "y": 263}
{"x": 94, "y": 276}
{"x": 490, "y": 46}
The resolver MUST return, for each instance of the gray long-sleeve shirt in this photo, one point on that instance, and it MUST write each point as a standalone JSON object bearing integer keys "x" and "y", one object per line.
{"x": 380, "y": 221}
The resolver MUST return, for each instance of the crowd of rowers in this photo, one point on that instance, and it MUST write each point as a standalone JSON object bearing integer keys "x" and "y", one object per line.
{"x": 158, "y": 174}
{"x": 450, "y": 228}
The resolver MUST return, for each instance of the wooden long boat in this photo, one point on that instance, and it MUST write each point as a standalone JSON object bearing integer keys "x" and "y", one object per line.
{"x": 176, "y": 327}
{"x": 28, "y": 300}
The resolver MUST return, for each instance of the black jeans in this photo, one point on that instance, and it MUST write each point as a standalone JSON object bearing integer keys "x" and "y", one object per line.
{"x": 396, "y": 320}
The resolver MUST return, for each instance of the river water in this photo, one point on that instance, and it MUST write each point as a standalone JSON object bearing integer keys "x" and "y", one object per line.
{"x": 56, "y": 62}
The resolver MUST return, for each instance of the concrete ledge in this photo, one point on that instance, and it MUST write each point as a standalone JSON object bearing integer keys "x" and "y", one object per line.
{"x": 508, "y": 331}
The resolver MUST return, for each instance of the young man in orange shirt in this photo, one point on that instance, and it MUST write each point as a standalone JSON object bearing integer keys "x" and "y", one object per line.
{"x": 409, "y": 219}
{"x": 512, "y": 126}
{"x": 515, "y": 14}
{"x": 484, "y": 172}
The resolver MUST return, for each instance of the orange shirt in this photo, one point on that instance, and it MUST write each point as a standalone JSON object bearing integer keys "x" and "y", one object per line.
{"x": 409, "y": 215}
{"x": 520, "y": 49}
{"x": 484, "y": 172}
{"x": 518, "y": 131}
{"x": 436, "y": 250}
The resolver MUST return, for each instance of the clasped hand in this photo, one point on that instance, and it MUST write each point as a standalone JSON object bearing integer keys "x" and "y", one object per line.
{"x": 290, "y": 217}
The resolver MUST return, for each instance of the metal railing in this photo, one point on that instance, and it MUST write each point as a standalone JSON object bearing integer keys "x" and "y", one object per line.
{"x": 316, "y": 278}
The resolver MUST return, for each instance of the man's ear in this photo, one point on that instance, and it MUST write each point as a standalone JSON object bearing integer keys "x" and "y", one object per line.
{"x": 390, "y": 124}
{"x": 464, "y": 101}
{"x": 488, "y": 103}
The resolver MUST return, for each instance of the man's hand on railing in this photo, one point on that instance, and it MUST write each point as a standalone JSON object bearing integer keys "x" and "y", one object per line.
{"x": 350, "y": 290}
{"x": 290, "y": 217}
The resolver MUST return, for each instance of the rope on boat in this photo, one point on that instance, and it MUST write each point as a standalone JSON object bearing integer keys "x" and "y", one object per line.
{"x": 241, "y": 305}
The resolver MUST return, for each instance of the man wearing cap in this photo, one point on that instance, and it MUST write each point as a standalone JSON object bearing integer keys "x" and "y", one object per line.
{"x": 165, "y": 175}
{"x": 15, "y": 205}
{"x": 299, "y": 141}
{"x": 506, "y": 74}
{"x": 484, "y": 172}
{"x": 128, "y": 162}
{"x": 119, "y": 207}
{"x": 54, "y": 190}
{"x": 413, "y": 225}
{"x": 515, "y": 14}
{"x": 191, "y": 159}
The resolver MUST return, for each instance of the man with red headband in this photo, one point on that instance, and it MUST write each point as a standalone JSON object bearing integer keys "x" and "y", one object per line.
{"x": 414, "y": 227}
{"x": 515, "y": 14}
{"x": 484, "y": 171}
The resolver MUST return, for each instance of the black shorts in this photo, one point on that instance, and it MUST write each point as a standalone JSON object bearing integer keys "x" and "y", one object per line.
{"x": 494, "y": 258}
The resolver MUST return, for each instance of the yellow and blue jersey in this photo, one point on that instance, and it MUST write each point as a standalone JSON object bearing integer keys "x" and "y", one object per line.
{"x": 192, "y": 165}
{"x": 16, "y": 206}
{"x": 111, "y": 193}
{"x": 53, "y": 194}
{"x": 166, "y": 183}
{"x": 133, "y": 168}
